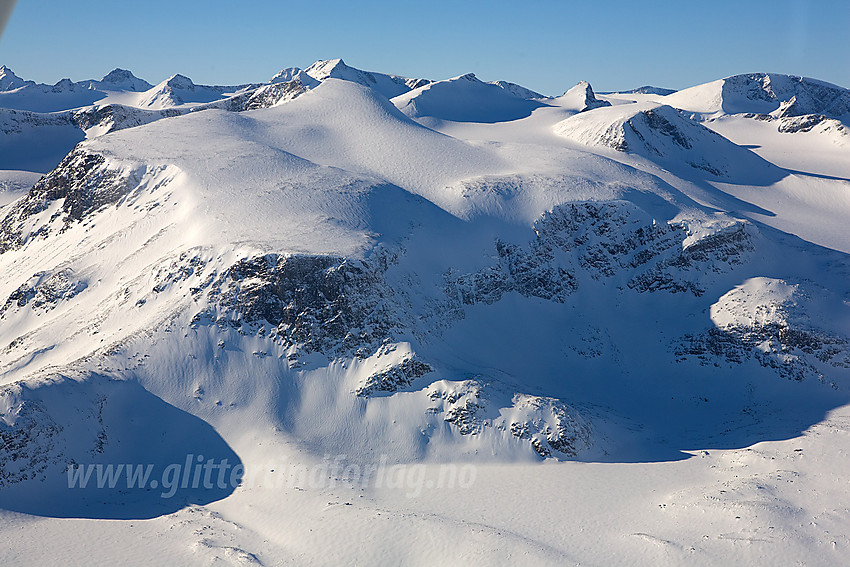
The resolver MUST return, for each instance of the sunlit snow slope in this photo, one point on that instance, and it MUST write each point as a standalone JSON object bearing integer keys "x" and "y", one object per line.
{"x": 629, "y": 313}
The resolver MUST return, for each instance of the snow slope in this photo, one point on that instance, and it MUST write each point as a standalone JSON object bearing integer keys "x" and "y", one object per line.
{"x": 465, "y": 99}
{"x": 663, "y": 135}
{"x": 764, "y": 93}
{"x": 581, "y": 98}
{"x": 387, "y": 85}
{"x": 425, "y": 327}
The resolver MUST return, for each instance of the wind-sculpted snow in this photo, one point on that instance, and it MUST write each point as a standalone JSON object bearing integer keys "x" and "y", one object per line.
{"x": 298, "y": 273}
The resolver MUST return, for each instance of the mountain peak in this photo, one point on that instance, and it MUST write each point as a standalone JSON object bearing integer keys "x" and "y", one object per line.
{"x": 64, "y": 84}
{"x": 467, "y": 77}
{"x": 117, "y": 75}
{"x": 294, "y": 74}
{"x": 179, "y": 81}
{"x": 582, "y": 97}
{"x": 9, "y": 80}
{"x": 325, "y": 68}
{"x": 388, "y": 85}
{"x": 125, "y": 80}
{"x": 285, "y": 75}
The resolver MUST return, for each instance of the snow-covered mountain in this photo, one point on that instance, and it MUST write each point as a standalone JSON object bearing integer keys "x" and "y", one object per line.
{"x": 179, "y": 90}
{"x": 648, "y": 89}
{"x": 120, "y": 80}
{"x": 586, "y": 303}
{"x": 666, "y": 137}
{"x": 467, "y": 99}
{"x": 581, "y": 98}
{"x": 765, "y": 93}
{"x": 10, "y": 81}
{"x": 387, "y": 85}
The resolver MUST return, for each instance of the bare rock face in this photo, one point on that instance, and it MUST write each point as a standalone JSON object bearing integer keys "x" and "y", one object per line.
{"x": 317, "y": 303}
{"x": 399, "y": 376}
{"x": 83, "y": 183}
{"x": 601, "y": 241}
{"x": 551, "y": 425}
{"x": 28, "y": 442}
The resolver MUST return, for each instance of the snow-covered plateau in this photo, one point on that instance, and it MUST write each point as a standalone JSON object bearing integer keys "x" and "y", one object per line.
{"x": 347, "y": 317}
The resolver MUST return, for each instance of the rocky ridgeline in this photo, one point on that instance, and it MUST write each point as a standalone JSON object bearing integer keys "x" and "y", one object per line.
{"x": 605, "y": 240}
{"x": 322, "y": 304}
{"x": 82, "y": 182}
{"x": 794, "y": 353}
{"x": 395, "y": 378}
{"x": 344, "y": 307}
{"x": 788, "y": 95}
{"x": 113, "y": 117}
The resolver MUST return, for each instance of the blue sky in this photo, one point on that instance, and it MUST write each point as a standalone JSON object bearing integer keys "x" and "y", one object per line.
{"x": 546, "y": 45}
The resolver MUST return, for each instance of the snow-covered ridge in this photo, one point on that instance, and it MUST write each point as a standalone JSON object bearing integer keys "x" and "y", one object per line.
{"x": 765, "y": 93}
{"x": 581, "y": 98}
{"x": 646, "y": 89}
{"x": 467, "y": 99}
{"x": 464, "y": 275}
{"x": 663, "y": 134}
{"x": 10, "y": 81}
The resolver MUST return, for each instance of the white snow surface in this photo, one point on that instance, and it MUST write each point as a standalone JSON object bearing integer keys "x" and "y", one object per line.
{"x": 554, "y": 331}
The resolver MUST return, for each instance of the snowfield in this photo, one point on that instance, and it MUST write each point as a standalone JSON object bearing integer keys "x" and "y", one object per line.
{"x": 347, "y": 317}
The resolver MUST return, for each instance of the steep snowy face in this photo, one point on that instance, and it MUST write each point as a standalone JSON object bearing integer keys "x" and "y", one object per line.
{"x": 662, "y": 134}
{"x": 294, "y": 74}
{"x": 465, "y": 99}
{"x": 9, "y": 81}
{"x": 793, "y": 96}
{"x": 581, "y": 98}
{"x": 285, "y": 75}
{"x": 315, "y": 283}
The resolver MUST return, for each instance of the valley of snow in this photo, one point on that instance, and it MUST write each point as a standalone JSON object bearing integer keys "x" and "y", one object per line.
{"x": 433, "y": 322}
